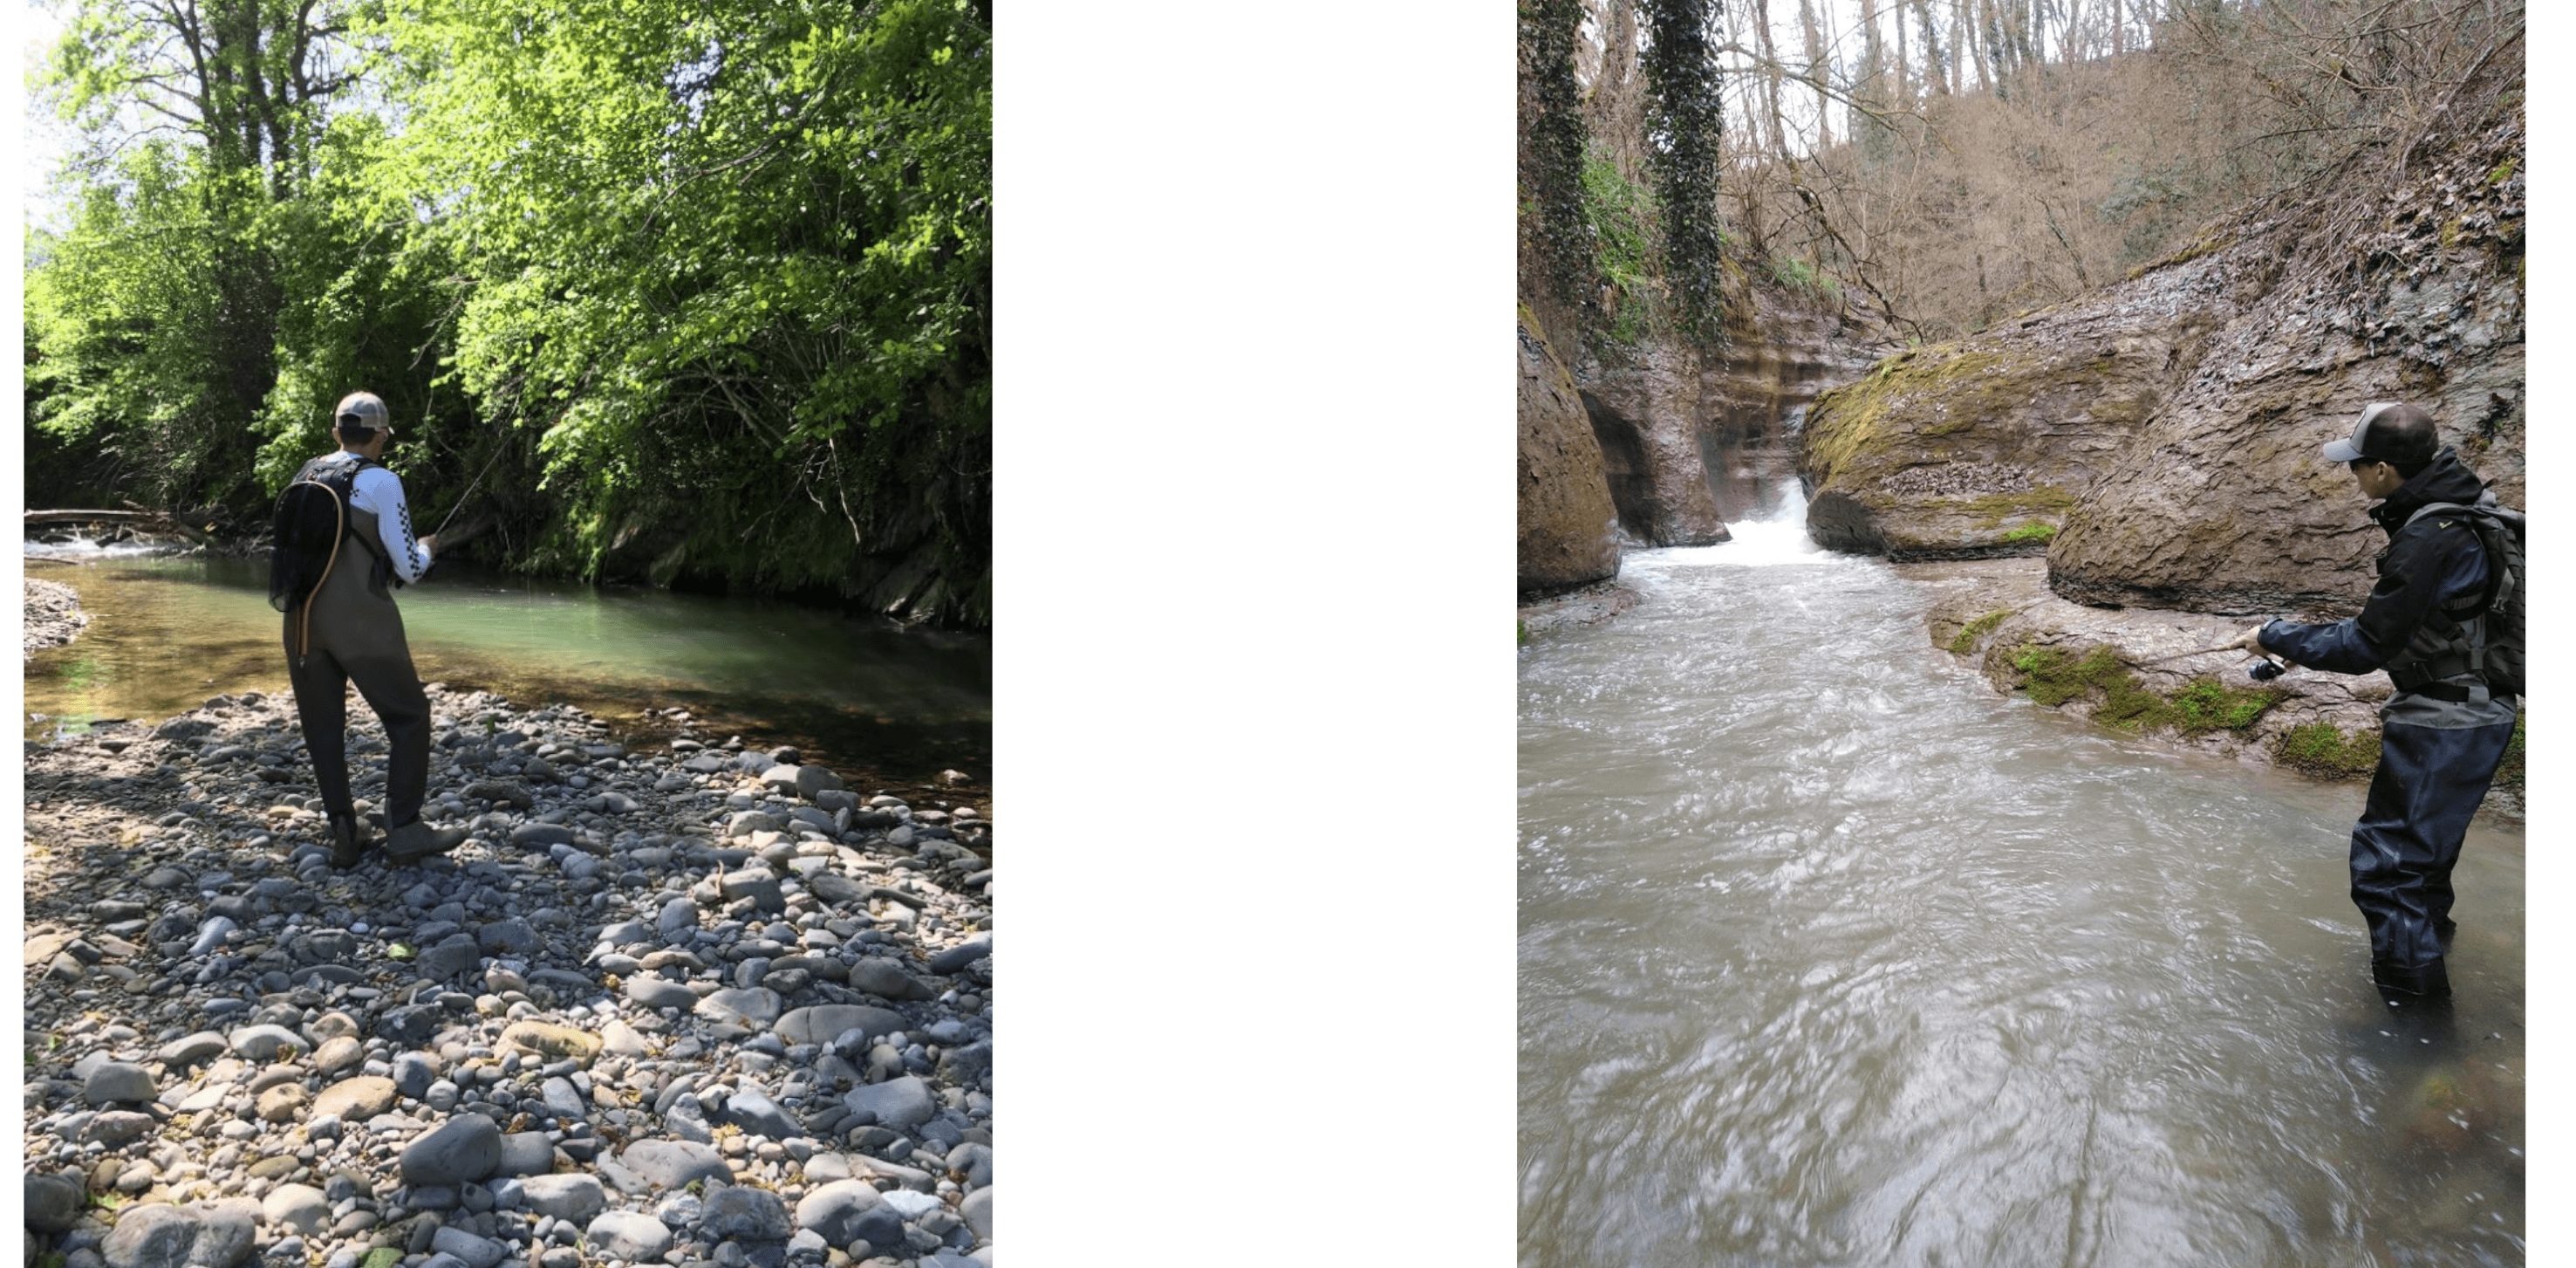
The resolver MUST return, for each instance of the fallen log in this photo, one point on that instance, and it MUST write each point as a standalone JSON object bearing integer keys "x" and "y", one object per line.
{"x": 138, "y": 520}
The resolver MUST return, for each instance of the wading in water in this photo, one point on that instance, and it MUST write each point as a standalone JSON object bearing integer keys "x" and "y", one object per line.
{"x": 2443, "y": 621}
{"x": 344, "y": 543}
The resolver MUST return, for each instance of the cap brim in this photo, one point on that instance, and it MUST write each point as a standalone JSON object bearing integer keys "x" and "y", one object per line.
{"x": 2342, "y": 451}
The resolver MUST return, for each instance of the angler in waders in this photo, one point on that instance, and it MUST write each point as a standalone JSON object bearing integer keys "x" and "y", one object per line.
{"x": 344, "y": 542}
{"x": 2430, "y": 622}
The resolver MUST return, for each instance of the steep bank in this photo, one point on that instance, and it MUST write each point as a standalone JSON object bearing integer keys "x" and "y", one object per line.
{"x": 2159, "y": 438}
{"x": 1652, "y": 441}
{"x": 700, "y": 1001}
{"x": 1568, "y": 526}
{"x": 1692, "y": 438}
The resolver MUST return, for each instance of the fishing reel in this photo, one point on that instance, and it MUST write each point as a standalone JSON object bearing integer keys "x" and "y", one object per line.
{"x": 2265, "y": 669}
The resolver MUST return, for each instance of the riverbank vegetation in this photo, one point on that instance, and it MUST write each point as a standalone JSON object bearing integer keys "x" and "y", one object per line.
{"x": 691, "y": 294}
{"x": 1937, "y": 166}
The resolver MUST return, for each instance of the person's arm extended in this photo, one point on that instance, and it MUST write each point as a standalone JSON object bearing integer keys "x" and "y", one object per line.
{"x": 381, "y": 491}
{"x": 2438, "y": 562}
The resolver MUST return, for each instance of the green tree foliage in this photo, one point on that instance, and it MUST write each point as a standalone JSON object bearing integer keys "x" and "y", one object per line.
{"x": 699, "y": 293}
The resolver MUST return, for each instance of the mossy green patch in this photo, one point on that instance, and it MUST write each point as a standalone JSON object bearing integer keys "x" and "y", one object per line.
{"x": 2053, "y": 677}
{"x": 1623, "y": 218}
{"x": 2321, "y": 748}
{"x": 1966, "y": 385}
{"x": 1965, "y": 641}
{"x": 2032, "y": 532}
{"x": 2502, "y": 173}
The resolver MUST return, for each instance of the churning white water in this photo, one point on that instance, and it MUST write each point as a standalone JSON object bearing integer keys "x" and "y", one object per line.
{"x": 1830, "y": 956}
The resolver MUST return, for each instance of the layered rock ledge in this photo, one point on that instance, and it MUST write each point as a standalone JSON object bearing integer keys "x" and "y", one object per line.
{"x": 2126, "y": 670}
{"x": 696, "y": 1005}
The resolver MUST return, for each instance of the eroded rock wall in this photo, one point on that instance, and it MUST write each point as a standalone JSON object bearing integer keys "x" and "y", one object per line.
{"x": 1981, "y": 447}
{"x": 2226, "y": 503}
{"x": 1644, "y": 408}
{"x": 1693, "y": 438}
{"x": 2160, "y": 438}
{"x": 1568, "y": 526}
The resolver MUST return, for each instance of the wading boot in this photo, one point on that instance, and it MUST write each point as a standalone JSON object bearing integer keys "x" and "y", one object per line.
{"x": 417, "y": 840}
{"x": 348, "y": 841}
{"x": 2424, "y": 980}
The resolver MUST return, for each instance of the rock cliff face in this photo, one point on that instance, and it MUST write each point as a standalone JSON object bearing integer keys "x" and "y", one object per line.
{"x": 1567, "y": 523}
{"x": 1694, "y": 439}
{"x": 2225, "y": 503}
{"x": 2160, "y": 437}
{"x": 1981, "y": 447}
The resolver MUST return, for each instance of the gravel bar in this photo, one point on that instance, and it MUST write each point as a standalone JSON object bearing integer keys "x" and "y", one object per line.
{"x": 699, "y": 1005}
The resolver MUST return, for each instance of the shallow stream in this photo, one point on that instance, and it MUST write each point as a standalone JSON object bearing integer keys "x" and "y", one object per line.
{"x": 167, "y": 632}
{"x": 1831, "y": 956}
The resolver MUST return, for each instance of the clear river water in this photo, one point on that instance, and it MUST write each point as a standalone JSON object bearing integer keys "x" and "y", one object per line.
{"x": 167, "y": 632}
{"x": 1829, "y": 955}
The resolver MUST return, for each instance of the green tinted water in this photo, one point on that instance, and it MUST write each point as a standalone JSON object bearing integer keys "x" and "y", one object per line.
{"x": 166, "y": 633}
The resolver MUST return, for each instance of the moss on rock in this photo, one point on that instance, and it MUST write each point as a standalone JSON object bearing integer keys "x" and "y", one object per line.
{"x": 1965, "y": 641}
{"x": 2322, "y": 748}
{"x": 2053, "y": 677}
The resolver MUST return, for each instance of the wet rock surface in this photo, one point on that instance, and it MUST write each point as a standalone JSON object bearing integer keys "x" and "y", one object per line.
{"x": 1994, "y": 614}
{"x": 696, "y": 997}
{"x": 1587, "y": 605}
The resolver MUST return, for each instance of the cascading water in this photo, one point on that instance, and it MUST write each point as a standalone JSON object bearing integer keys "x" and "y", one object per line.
{"x": 1830, "y": 956}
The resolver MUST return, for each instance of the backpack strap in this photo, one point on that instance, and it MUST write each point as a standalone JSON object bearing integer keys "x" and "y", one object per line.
{"x": 2481, "y": 522}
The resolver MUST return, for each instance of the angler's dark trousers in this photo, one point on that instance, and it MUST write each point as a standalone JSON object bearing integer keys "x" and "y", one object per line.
{"x": 351, "y": 632}
{"x": 2428, "y": 783}
{"x": 393, "y": 691}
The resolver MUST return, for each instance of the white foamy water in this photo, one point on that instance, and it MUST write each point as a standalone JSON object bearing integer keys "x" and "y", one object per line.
{"x": 1777, "y": 537}
{"x": 86, "y": 548}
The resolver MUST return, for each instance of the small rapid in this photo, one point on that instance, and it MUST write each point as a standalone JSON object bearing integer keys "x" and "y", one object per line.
{"x": 1829, "y": 955}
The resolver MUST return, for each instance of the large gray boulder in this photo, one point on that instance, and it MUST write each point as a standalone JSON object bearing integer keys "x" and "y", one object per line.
{"x": 1567, "y": 521}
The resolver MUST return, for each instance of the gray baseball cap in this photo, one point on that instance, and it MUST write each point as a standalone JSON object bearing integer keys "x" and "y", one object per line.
{"x": 361, "y": 409}
{"x": 2358, "y": 445}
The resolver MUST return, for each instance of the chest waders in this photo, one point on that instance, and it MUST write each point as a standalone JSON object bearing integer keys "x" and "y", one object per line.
{"x": 2441, "y": 738}
{"x": 349, "y": 631}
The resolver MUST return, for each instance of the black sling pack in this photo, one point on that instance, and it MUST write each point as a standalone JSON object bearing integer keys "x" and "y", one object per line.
{"x": 2499, "y": 531}
{"x": 310, "y": 524}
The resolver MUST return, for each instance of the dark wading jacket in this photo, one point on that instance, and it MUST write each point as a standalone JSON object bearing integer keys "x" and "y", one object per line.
{"x": 2431, "y": 564}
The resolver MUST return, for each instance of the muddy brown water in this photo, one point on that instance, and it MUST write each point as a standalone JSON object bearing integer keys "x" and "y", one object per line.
{"x": 895, "y": 705}
{"x": 1828, "y": 955}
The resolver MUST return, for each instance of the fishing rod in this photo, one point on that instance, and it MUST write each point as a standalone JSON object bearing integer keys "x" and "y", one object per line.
{"x": 2263, "y": 670}
{"x": 469, "y": 492}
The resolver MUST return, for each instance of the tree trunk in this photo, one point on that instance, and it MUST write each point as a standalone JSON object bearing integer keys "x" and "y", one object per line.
{"x": 1770, "y": 77}
{"x": 1817, "y": 72}
{"x": 1935, "y": 65}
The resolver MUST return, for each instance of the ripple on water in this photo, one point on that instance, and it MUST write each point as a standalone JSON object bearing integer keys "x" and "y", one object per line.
{"x": 1829, "y": 956}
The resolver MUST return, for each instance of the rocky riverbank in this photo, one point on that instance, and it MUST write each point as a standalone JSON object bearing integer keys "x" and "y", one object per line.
{"x": 695, "y": 1005}
{"x": 1585, "y": 605}
{"x": 2125, "y": 668}
{"x": 52, "y": 616}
